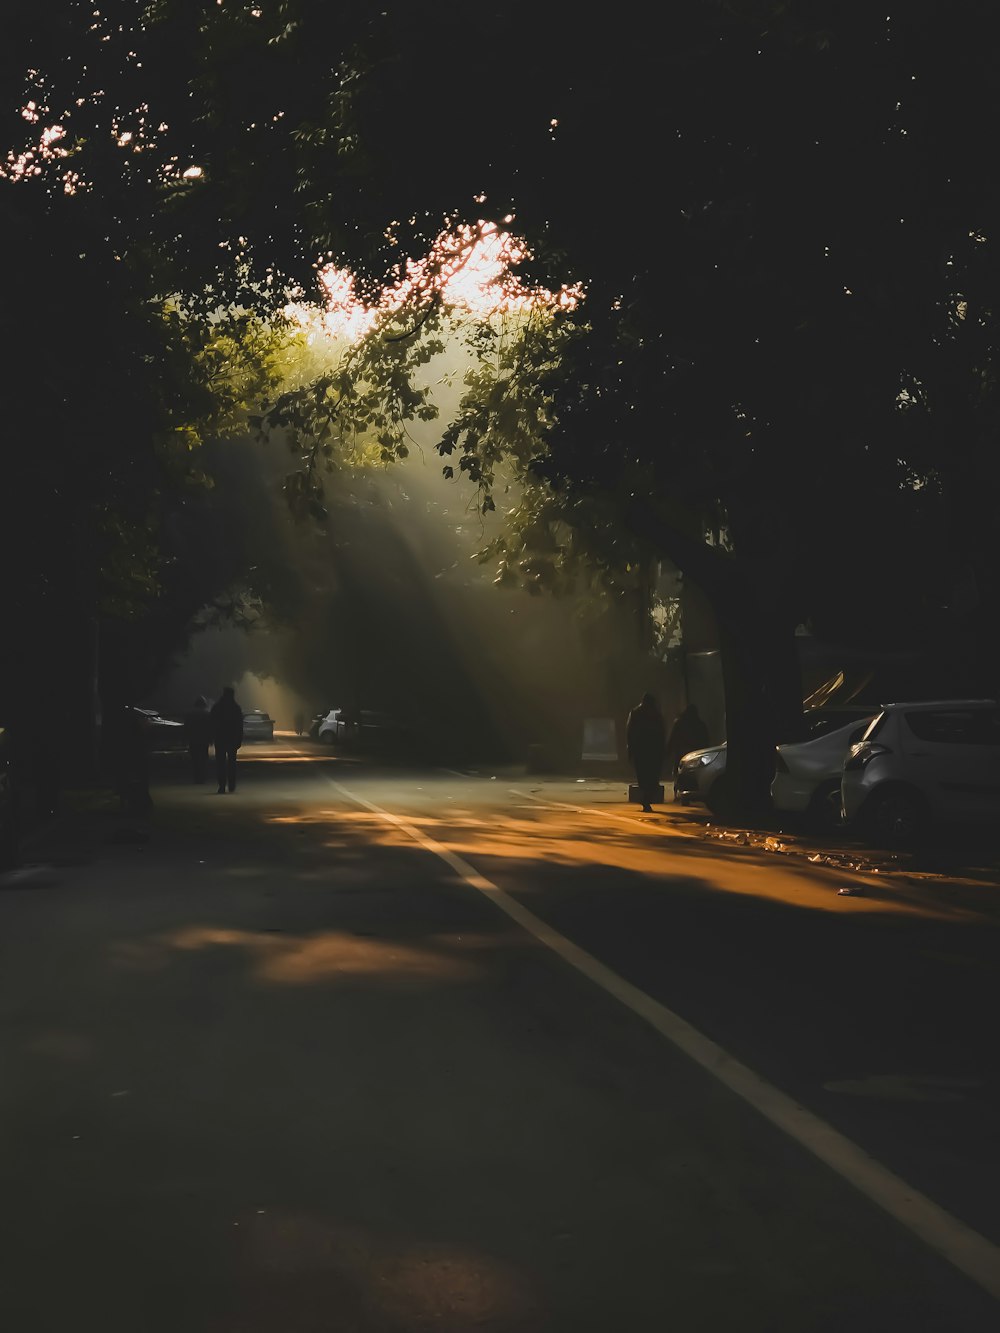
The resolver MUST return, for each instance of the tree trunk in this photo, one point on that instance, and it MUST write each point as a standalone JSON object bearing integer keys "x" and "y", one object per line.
{"x": 763, "y": 693}
{"x": 761, "y": 674}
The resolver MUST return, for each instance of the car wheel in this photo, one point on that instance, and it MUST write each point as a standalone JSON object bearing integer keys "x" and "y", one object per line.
{"x": 895, "y": 817}
{"x": 824, "y": 808}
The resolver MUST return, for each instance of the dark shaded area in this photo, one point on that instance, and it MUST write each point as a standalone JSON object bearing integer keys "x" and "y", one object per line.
{"x": 517, "y": 1126}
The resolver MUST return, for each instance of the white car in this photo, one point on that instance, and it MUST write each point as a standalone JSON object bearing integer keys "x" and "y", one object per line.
{"x": 333, "y": 727}
{"x": 361, "y": 729}
{"x": 258, "y": 726}
{"x": 701, "y": 774}
{"x": 922, "y": 763}
{"x": 807, "y": 773}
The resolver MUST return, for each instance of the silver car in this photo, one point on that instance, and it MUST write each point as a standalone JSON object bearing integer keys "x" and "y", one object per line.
{"x": 361, "y": 729}
{"x": 807, "y": 773}
{"x": 701, "y": 774}
{"x": 258, "y": 726}
{"x": 700, "y": 777}
{"x": 924, "y": 763}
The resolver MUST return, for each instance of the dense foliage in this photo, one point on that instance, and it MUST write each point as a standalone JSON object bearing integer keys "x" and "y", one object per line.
{"x": 783, "y": 376}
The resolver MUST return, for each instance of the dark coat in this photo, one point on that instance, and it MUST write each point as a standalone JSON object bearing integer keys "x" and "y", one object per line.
{"x": 227, "y": 723}
{"x": 645, "y": 736}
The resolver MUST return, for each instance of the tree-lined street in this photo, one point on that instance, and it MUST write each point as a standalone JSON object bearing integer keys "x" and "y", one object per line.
{"x": 281, "y": 1059}
{"x": 433, "y": 383}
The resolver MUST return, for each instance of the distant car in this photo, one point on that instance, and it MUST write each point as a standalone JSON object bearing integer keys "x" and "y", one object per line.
{"x": 258, "y": 726}
{"x": 361, "y": 729}
{"x": 921, "y": 764}
{"x": 807, "y": 773}
{"x": 331, "y": 726}
{"x": 701, "y": 774}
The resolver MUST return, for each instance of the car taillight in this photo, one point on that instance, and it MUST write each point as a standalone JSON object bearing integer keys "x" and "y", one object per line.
{"x": 859, "y": 755}
{"x": 779, "y": 762}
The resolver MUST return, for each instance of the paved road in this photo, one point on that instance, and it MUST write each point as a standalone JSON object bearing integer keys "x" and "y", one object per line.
{"x": 374, "y": 1051}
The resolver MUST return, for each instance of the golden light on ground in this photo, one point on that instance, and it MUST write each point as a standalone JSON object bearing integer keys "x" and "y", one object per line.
{"x": 328, "y": 956}
{"x": 284, "y": 756}
{"x": 568, "y": 839}
{"x": 449, "y": 1285}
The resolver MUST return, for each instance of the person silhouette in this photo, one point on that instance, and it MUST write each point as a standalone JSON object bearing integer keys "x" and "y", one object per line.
{"x": 227, "y": 737}
{"x": 645, "y": 740}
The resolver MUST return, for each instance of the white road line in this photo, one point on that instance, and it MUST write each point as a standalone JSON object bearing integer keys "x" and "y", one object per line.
{"x": 966, "y": 1249}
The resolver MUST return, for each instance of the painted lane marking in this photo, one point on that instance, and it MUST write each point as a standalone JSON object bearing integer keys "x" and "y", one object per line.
{"x": 964, "y": 1248}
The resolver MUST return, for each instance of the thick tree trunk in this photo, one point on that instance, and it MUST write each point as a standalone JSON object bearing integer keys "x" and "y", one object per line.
{"x": 763, "y": 692}
{"x": 761, "y": 674}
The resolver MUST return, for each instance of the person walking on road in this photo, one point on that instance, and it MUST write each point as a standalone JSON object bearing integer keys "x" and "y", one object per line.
{"x": 645, "y": 739}
{"x": 198, "y": 729}
{"x": 688, "y": 733}
{"x": 227, "y": 737}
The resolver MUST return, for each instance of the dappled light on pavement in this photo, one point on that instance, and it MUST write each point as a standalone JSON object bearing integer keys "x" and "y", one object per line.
{"x": 296, "y": 756}
{"x": 415, "y": 1283}
{"x": 569, "y": 838}
{"x": 327, "y": 956}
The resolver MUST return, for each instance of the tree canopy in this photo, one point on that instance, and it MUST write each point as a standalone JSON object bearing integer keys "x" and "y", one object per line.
{"x": 782, "y": 375}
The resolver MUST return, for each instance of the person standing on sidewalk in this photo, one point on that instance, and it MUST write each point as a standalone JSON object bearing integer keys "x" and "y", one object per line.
{"x": 227, "y": 737}
{"x": 645, "y": 739}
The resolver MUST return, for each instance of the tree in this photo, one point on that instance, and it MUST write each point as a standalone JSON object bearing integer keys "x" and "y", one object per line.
{"x": 135, "y": 327}
{"x": 787, "y": 239}
{"x": 780, "y": 216}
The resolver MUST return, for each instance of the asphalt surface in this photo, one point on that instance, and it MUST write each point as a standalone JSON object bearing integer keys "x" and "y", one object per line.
{"x": 359, "y": 1048}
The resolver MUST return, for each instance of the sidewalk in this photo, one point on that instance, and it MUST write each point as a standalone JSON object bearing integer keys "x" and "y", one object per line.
{"x": 89, "y": 821}
{"x": 962, "y": 868}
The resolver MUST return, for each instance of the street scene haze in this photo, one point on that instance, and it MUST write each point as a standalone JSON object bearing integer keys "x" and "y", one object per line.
{"x": 499, "y": 725}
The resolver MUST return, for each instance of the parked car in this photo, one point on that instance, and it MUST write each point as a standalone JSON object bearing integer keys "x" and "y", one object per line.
{"x": 330, "y": 726}
{"x": 807, "y": 773}
{"x": 924, "y": 764}
{"x": 700, "y": 777}
{"x": 163, "y": 732}
{"x": 361, "y": 729}
{"x": 701, "y": 773}
{"x": 258, "y": 726}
